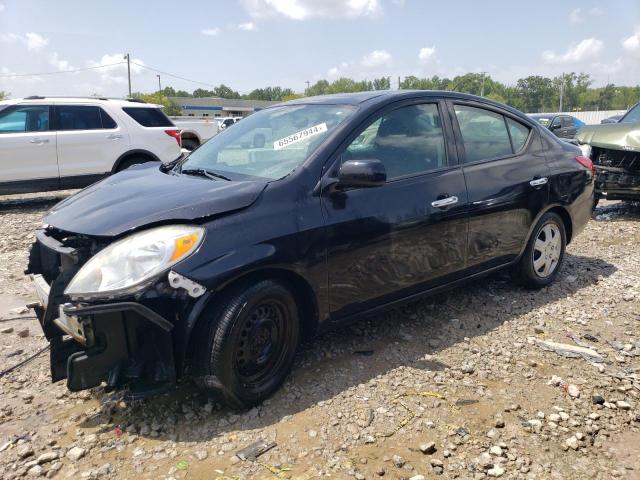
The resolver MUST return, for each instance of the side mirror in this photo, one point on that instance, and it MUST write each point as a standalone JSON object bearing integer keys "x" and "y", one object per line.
{"x": 362, "y": 174}
{"x": 554, "y": 126}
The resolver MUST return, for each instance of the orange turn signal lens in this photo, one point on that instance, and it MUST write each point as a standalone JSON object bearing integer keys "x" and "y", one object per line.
{"x": 184, "y": 245}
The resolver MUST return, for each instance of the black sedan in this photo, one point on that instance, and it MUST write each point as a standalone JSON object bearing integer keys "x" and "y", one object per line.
{"x": 563, "y": 126}
{"x": 302, "y": 216}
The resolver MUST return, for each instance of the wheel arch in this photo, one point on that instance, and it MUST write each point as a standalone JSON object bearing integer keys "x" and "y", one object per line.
{"x": 559, "y": 210}
{"x": 301, "y": 290}
{"x": 133, "y": 153}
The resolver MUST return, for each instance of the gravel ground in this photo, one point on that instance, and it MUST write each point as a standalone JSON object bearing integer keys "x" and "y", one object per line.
{"x": 456, "y": 386}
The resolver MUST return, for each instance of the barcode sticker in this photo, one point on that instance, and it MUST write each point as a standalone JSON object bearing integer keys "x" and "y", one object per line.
{"x": 299, "y": 136}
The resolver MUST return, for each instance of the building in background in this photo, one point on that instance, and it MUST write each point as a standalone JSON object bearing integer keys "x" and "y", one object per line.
{"x": 219, "y": 107}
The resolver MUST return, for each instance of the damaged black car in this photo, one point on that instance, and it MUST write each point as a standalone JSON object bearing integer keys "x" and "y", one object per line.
{"x": 302, "y": 216}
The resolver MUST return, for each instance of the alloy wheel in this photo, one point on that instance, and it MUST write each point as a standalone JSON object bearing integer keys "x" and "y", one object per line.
{"x": 547, "y": 250}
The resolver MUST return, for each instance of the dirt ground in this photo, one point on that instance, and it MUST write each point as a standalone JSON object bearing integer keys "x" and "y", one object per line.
{"x": 455, "y": 386}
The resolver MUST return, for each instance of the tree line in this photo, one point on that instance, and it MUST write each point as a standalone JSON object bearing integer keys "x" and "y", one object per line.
{"x": 531, "y": 94}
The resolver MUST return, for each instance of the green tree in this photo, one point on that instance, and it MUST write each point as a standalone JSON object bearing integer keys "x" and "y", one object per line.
{"x": 168, "y": 106}
{"x": 382, "y": 83}
{"x": 4, "y": 95}
{"x": 536, "y": 93}
{"x": 225, "y": 92}
{"x": 201, "y": 93}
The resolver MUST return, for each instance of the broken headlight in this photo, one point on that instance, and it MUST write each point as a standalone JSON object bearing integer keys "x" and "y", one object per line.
{"x": 128, "y": 265}
{"x": 586, "y": 150}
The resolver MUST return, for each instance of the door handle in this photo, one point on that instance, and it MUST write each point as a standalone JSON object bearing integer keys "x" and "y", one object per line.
{"x": 39, "y": 140}
{"x": 445, "y": 202}
{"x": 537, "y": 182}
{"x": 114, "y": 136}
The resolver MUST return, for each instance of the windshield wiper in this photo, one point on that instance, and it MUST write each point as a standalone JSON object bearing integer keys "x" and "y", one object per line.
{"x": 203, "y": 172}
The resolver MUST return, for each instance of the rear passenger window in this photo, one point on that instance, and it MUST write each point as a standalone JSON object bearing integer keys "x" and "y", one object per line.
{"x": 484, "y": 133}
{"x": 107, "y": 121}
{"x": 77, "y": 117}
{"x": 519, "y": 134}
{"x": 148, "y": 116}
{"x": 408, "y": 141}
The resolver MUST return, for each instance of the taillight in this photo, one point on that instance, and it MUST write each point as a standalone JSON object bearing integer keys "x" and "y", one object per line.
{"x": 586, "y": 163}
{"x": 175, "y": 134}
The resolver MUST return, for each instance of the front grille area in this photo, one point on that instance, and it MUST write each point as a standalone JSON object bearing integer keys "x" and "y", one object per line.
{"x": 626, "y": 160}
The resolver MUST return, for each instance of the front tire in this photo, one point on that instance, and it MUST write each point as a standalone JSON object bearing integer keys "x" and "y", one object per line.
{"x": 249, "y": 342}
{"x": 543, "y": 257}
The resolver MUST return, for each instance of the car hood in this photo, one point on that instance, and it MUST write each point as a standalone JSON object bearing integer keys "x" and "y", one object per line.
{"x": 616, "y": 136}
{"x": 144, "y": 195}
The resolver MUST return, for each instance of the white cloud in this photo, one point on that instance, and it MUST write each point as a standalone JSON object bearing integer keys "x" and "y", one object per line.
{"x": 2, "y": 7}
{"x": 247, "y": 27}
{"x": 427, "y": 54}
{"x": 575, "y": 16}
{"x": 58, "y": 63}
{"x": 116, "y": 72}
{"x": 377, "y": 58}
{"x": 32, "y": 40}
{"x": 596, "y": 11}
{"x": 304, "y": 9}
{"x": 210, "y": 32}
{"x": 587, "y": 49}
{"x": 631, "y": 44}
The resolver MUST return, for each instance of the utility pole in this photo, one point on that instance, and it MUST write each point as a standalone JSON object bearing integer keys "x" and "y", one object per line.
{"x": 561, "y": 91}
{"x": 308, "y": 83}
{"x": 128, "y": 71}
{"x": 482, "y": 84}
{"x": 159, "y": 85}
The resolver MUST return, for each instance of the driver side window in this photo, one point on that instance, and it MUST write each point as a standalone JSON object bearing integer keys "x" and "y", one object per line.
{"x": 408, "y": 141}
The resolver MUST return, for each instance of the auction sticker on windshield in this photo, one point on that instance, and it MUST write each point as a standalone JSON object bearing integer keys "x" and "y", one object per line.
{"x": 299, "y": 136}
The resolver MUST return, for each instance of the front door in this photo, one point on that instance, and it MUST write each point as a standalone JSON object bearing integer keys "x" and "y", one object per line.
{"x": 28, "y": 149}
{"x": 507, "y": 178}
{"x": 388, "y": 242}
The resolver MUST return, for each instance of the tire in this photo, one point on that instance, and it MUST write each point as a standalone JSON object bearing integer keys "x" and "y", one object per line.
{"x": 131, "y": 161}
{"x": 596, "y": 199}
{"x": 543, "y": 257}
{"x": 248, "y": 342}
{"x": 190, "y": 144}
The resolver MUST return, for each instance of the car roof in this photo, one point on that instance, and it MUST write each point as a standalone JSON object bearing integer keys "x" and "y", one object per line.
{"x": 385, "y": 96}
{"x": 124, "y": 102}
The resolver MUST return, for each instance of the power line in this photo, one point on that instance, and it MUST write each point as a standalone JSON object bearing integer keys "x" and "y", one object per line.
{"x": 172, "y": 75}
{"x": 59, "y": 71}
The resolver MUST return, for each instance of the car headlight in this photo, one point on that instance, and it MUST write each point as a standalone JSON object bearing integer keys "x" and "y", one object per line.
{"x": 127, "y": 265}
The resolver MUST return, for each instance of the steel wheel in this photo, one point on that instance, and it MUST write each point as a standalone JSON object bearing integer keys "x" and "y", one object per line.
{"x": 547, "y": 250}
{"x": 262, "y": 344}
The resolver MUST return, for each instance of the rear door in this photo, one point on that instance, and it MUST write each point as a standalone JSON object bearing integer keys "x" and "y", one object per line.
{"x": 507, "y": 179}
{"x": 27, "y": 146}
{"x": 392, "y": 241}
{"x": 89, "y": 140}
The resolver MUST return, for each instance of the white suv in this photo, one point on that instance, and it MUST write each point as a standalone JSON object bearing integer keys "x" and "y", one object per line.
{"x": 51, "y": 143}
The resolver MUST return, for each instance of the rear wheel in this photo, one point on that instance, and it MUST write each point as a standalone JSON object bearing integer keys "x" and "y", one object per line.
{"x": 190, "y": 144}
{"x": 131, "y": 161}
{"x": 249, "y": 341}
{"x": 544, "y": 254}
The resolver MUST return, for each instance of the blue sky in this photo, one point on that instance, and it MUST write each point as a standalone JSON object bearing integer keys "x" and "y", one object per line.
{"x": 251, "y": 43}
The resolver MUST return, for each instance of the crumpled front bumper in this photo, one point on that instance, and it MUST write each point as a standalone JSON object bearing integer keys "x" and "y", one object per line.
{"x": 122, "y": 344}
{"x": 617, "y": 183}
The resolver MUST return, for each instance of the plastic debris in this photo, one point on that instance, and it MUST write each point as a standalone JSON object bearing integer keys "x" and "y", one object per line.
{"x": 569, "y": 351}
{"x": 254, "y": 450}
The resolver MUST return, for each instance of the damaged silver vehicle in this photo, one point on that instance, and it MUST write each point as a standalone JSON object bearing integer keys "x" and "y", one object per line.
{"x": 614, "y": 149}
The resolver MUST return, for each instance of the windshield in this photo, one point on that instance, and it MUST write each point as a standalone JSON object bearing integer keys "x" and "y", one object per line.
{"x": 632, "y": 116}
{"x": 270, "y": 143}
{"x": 544, "y": 121}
